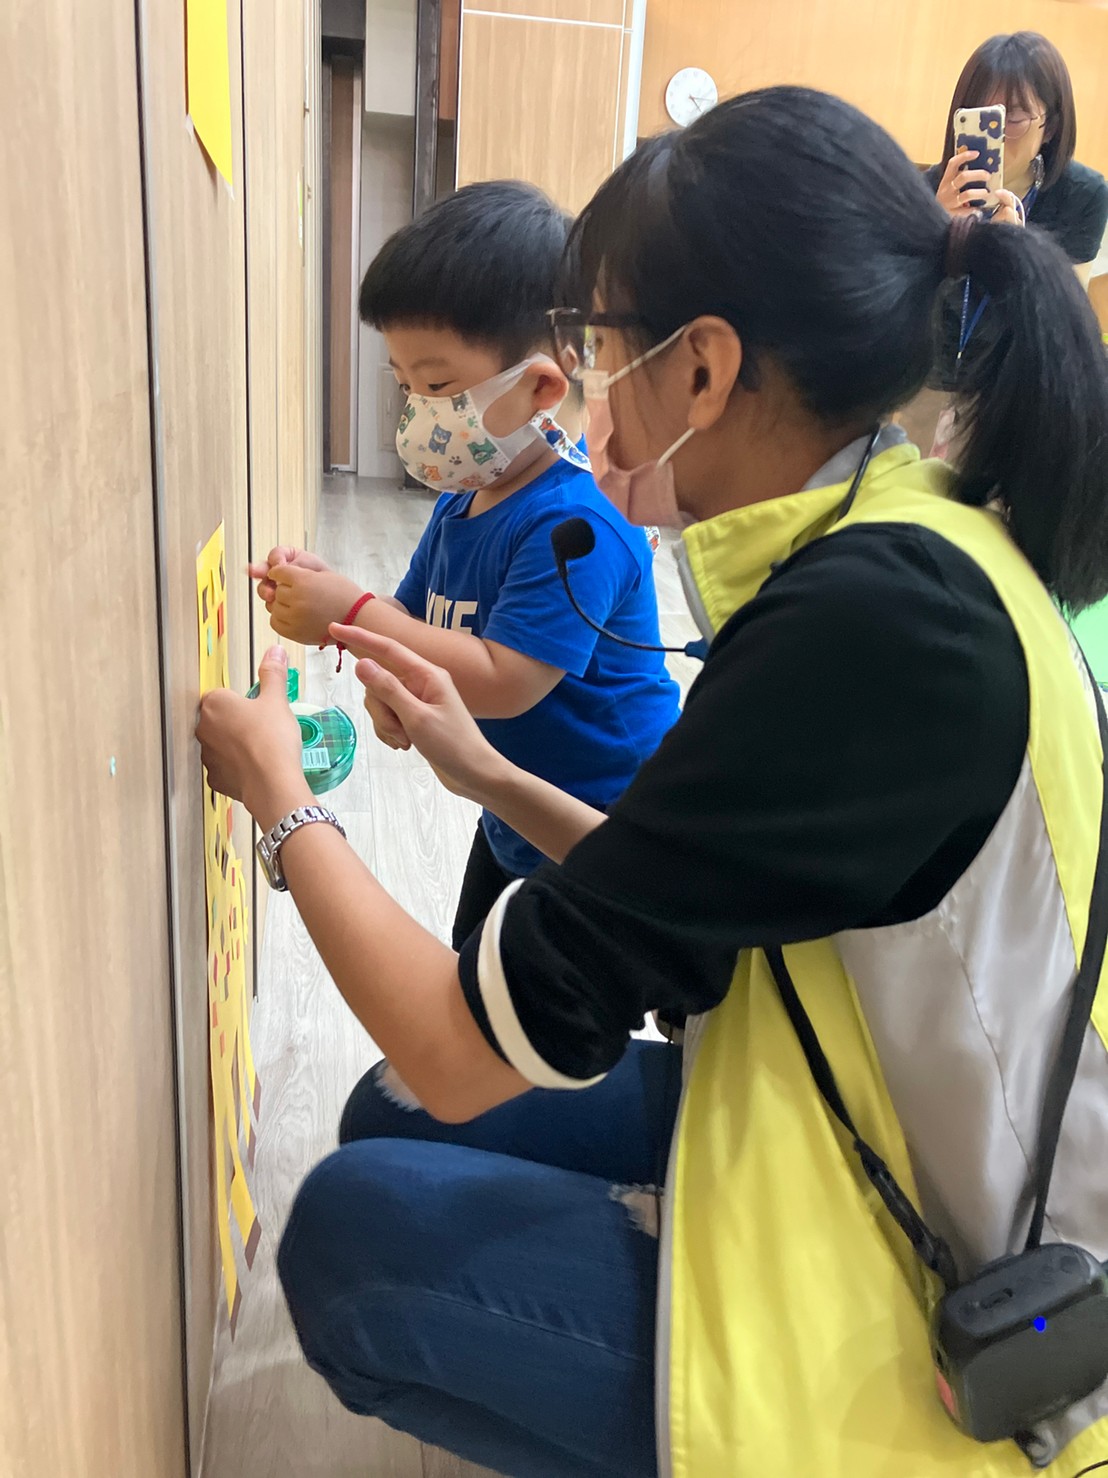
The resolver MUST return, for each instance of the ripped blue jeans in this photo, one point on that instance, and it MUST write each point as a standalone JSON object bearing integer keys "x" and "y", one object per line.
{"x": 490, "y": 1287}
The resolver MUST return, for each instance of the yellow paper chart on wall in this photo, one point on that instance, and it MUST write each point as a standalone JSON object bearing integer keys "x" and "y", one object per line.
{"x": 208, "y": 79}
{"x": 236, "y": 1092}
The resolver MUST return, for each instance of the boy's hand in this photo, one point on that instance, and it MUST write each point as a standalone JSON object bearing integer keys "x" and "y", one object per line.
{"x": 283, "y": 554}
{"x": 306, "y": 602}
{"x": 251, "y": 747}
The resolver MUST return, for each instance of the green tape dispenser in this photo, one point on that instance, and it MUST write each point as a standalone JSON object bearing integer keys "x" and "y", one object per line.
{"x": 328, "y": 738}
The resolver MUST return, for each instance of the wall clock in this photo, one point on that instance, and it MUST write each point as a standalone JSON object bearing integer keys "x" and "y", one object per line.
{"x": 691, "y": 93}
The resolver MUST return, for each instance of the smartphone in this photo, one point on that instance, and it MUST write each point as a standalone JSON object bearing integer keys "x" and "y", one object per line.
{"x": 982, "y": 130}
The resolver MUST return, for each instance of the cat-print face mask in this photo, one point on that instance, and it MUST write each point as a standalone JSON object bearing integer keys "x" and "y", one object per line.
{"x": 443, "y": 440}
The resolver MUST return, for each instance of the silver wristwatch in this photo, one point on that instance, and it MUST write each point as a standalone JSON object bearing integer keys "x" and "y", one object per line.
{"x": 269, "y": 845}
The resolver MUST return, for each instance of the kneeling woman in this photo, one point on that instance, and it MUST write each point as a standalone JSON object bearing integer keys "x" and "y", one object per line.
{"x": 880, "y": 807}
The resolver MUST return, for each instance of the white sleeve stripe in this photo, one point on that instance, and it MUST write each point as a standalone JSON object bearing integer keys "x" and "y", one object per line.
{"x": 493, "y": 985}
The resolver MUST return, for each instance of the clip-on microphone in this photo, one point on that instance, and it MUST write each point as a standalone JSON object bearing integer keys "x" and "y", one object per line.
{"x": 573, "y": 539}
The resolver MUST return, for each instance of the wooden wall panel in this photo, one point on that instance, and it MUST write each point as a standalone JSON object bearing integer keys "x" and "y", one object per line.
{"x": 260, "y": 114}
{"x": 289, "y": 227}
{"x": 450, "y": 34}
{"x": 282, "y": 370}
{"x": 595, "y": 12}
{"x": 283, "y": 437}
{"x": 260, "y": 125}
{"x": 625, "y": 64}
{"x": 90, "y": 1333}
{"x": 196, "y": 229}
{"x": 313, "y": 271}
{"x": 559, "y": 86}
{"x": 345, "y": 113}
{"x": 897, "y": 62}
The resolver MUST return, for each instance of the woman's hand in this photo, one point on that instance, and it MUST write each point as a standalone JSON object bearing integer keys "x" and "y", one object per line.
{"x": 414, "y": 703}
{"x": 251, "y": 747}
{"x": 283, "y": 554}
{"x": 951, "y": 195}
{"x": 1010, "y": 211}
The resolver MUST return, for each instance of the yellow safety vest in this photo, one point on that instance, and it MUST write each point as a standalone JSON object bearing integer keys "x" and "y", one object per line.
{"x": 793, "y": 1322}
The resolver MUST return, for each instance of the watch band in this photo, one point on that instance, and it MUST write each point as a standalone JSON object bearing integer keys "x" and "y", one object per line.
{"x": 269, "y": 845}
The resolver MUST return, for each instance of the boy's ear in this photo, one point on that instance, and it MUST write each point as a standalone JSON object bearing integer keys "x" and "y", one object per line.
{"x": 549, "y": 385}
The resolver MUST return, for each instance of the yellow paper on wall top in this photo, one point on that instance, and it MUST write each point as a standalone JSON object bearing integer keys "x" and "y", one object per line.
{"x": 208, "y": 79}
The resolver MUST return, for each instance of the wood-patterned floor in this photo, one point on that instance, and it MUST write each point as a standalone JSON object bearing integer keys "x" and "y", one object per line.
{"x": 269, "y": 1416}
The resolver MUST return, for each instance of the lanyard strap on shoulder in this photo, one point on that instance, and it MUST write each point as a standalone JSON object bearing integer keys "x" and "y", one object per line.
{"x": 931, "y": 1249}
{"x": 1084, "y": 994}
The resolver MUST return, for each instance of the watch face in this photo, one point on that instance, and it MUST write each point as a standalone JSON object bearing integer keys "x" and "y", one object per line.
{"x": 690, "y": 94}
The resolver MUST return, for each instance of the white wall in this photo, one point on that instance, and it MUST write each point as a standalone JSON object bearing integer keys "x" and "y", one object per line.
{"x": 387, "y": 164}
{"x": 390, "y": 56}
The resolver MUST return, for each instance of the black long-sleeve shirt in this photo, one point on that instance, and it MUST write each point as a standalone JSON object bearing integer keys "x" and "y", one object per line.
{"x": 853, "y": 739}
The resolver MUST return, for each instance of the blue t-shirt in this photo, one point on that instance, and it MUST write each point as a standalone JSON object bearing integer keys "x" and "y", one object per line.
{"x": 495, "y": 575}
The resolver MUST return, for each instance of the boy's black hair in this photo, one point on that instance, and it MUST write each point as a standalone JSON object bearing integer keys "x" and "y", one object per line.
{"x": 483, "y": 262}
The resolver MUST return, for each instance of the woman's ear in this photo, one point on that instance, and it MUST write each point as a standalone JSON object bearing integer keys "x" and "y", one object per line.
{"x": 717, "y": 357}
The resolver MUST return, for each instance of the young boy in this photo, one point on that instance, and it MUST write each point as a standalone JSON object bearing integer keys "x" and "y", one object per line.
{"x": 460, "y": 296}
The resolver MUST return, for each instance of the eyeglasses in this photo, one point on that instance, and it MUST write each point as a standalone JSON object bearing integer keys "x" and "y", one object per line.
{"x": 575, "y": 336}
{"x": 1017, "y": 124}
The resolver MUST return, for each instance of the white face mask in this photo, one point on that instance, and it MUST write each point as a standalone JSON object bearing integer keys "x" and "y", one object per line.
{"x": 443, "y": 440}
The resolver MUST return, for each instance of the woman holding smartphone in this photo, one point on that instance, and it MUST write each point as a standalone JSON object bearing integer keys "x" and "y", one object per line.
{"x": 1068, "y": 200}
{"x": 1045, "y": 186}
{"x": 561, "y": 1251}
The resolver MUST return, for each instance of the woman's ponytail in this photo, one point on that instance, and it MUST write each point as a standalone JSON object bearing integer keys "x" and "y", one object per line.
{"x": 835, "y": 284}
{"x": 1035, "y": 401}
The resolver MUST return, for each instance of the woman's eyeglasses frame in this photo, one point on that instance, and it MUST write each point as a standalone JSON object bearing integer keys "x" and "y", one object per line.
{"x": 1019, "y": 126}
{"x": 574, "y": 331}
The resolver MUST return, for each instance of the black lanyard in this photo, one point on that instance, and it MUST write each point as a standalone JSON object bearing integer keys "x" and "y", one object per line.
{"x": 932, "y": 1249}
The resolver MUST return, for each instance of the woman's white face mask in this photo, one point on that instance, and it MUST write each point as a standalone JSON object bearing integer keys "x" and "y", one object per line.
{"x": 645, "y": 494}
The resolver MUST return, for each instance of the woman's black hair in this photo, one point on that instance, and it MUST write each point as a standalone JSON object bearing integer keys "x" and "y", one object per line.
{"x": 800, "y": 222}
{"x": 1022, "y": 69}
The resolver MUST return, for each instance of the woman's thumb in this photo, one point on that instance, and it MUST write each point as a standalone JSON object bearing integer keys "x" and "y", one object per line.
{"x": 273, "y": 673}
{"x": 383, "y": 684}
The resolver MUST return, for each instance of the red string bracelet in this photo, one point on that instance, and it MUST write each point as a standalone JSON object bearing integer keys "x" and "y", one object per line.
{"x": 348, "y": 620}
